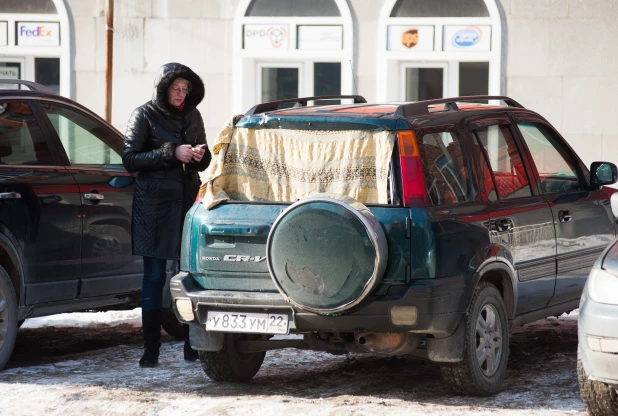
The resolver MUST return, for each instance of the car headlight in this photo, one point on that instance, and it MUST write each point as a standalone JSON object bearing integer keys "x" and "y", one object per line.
{"x": 603, "y": 287}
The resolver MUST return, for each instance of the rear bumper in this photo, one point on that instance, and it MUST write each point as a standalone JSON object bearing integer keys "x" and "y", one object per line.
{"x": 441, "y": 307}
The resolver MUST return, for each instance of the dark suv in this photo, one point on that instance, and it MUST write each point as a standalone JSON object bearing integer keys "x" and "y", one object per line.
{"x": 65, "y": 212}
{"x": 485, "y": 219}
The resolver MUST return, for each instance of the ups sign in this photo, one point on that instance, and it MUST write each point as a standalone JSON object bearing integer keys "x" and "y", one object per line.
{"x": 409, "y": 38}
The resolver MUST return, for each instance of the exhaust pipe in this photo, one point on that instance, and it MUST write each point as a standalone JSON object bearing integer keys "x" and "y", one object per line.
{"x": 393, "y": 343}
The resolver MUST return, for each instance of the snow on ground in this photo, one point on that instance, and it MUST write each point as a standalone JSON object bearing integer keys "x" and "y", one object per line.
{"x": 111, "y": 318}
{"x": 59, "y": 368}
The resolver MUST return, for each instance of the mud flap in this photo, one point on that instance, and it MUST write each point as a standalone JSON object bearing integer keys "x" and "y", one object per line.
{"x": 449, "y": 349}
{"x": 203, "y": 340}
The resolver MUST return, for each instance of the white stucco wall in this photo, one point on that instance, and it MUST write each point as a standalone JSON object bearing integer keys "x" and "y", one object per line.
{"x": 563, "y": 63}
{"x": 148, "y": 34}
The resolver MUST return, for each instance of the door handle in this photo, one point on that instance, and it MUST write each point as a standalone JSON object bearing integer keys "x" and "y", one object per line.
{"x": 10, "y": 195}
{"x": 94, "y": 197}
{"x": 504, "y": 224}
{"x": 565, "y": 216}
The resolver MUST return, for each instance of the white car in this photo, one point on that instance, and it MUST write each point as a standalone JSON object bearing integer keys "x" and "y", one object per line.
{"x": 597, "y": 364}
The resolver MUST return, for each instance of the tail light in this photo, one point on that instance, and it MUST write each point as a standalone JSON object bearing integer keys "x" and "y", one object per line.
{"x": 413, "y": 183}
{"x": 200, "y": 195}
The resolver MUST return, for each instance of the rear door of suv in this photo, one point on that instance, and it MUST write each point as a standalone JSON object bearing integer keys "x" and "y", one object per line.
{"x": 582, "y": 217}
{"x": 40, "y": 207}
{"x": 520, "y": 219}
{"x": 92, "y": 152}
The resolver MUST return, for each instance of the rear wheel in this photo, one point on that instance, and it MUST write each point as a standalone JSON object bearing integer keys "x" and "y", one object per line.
{"x": 228, "y": 364}
{"x": 8, "y": 317}
{"x": 483, "y": 368}
{"x": 600, "y": 399}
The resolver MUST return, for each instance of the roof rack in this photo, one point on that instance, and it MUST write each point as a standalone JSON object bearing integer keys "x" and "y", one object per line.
{"x": 450, "y": 104}
{"x": 300, "y": 102}
{"x": 32, "y": 85}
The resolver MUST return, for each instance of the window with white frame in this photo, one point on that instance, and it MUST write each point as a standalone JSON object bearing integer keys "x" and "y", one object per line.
{"x": 31, "y": 45}
{"x": 434, "y": 49}
{"x": 291, "y": 48}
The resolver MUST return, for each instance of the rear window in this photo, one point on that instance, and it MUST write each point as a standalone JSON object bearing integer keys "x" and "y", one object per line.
{"x": 444, "y": 166}
{"x": 285, "y": 165}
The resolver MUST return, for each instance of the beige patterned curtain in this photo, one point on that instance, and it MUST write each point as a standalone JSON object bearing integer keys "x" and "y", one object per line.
{"x": 279, "y": 165}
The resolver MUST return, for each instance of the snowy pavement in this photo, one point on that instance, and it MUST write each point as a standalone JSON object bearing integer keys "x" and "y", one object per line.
{"x": 60, "y": 368}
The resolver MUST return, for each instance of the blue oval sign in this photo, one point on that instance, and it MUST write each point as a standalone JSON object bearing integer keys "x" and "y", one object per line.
{"x": 466, "y": 37}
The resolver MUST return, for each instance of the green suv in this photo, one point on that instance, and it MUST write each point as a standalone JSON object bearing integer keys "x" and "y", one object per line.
{"x": 428, "y": 229}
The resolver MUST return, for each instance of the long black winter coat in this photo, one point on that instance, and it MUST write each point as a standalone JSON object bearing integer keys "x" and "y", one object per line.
{"x": 164, "y": 190}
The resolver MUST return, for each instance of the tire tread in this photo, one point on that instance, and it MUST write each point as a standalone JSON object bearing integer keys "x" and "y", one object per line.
{"x": 459, "y": 376}
{"x": 599, "y": 398}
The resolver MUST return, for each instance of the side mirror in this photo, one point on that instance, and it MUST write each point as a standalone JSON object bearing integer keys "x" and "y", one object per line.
{"x": 121, "y": 181}
{"x": 603, "y": 173}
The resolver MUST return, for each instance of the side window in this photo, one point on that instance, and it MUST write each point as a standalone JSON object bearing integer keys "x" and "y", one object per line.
{"x": 21, "y": 139}
{"x": 505, "y": 162}
{"x": 85, "y": 141}
{"x": 556, "y": 171}
{"x": 444, "y": 167}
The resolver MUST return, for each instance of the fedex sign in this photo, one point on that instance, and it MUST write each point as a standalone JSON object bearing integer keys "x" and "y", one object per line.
{"x": 38, "y": 33}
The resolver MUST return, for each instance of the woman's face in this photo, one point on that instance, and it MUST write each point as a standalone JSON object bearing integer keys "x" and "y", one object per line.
{"x": 177, "y": 92}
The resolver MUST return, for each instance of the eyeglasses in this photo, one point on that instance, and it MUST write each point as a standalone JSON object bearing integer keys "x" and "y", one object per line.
{"x": 179, "y": 90}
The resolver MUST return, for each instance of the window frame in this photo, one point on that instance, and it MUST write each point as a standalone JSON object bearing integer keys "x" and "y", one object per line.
{"x": 582, "y": 171}
{"x": 53, "y": 150}
{"x": 59, "y": 147}
{"x": 504, "y": 122}
{"x": 472, "y": 189}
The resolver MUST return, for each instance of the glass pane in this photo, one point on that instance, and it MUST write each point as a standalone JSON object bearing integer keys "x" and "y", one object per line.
{"x": 47, "y": 72}
{"x": 30, "y": 6}
{"x": 21, "y": 138}
{"x": 473, "y": 78}
{"x": 440, "y": 8}
{"x": 488, "y": 185}
{"x": 85, "y": 141}
{"x": 424, "y": 83}
{"x": 557, "y": 174}
{"x": 279, "y": 84}
{"x": 444, "y": 168}
{"x": 505, "y": 162}
{"x": 292, "y": 8}
{"x": 327, "y": 81}
{"x": 10, "y": 70}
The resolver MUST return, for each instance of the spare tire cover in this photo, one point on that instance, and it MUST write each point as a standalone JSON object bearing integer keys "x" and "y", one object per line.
{"x": 326, "y": 253}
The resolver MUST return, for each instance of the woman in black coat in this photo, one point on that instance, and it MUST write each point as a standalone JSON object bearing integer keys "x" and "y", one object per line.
{"x": 165, "y": 144}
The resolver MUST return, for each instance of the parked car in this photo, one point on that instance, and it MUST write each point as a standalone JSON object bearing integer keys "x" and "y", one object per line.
{"x": 485, "y": 219}
{"x": 597, "y": 360}
{"x": 65, "y": 213}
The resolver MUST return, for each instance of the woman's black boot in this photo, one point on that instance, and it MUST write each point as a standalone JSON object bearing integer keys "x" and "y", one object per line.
{"x": 189, "y": 353}
{"x": 151, "y": 326}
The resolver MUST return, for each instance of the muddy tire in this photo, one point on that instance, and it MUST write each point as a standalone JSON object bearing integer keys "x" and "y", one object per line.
{"x": 600, "y": 399}
{"x": 171, "y": 325}
{"x": 8, "y": 317}
{"x": 230, "y": 365}
{"x": 486, "y": 350}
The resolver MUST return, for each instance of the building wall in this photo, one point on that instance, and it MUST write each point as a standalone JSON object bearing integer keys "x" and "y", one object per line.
{"x": 561, "y": 59}
{"x": 148, "y": 34}
{"x": 563, "y": 63}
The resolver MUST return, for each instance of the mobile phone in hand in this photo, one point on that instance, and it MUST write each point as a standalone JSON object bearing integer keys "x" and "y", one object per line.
{"x": 200, "y": 146}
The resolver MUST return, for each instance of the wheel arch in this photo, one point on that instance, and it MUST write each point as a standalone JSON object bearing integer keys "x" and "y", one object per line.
{"x": 10, "y": 260}
{"x": 503, "y": 277}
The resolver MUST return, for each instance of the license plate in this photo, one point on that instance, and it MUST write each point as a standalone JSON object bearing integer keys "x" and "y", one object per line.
{"x": 255, "y": 323}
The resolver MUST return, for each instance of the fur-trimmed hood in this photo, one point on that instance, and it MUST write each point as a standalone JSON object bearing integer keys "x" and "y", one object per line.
{"x": 167, "y": 74}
